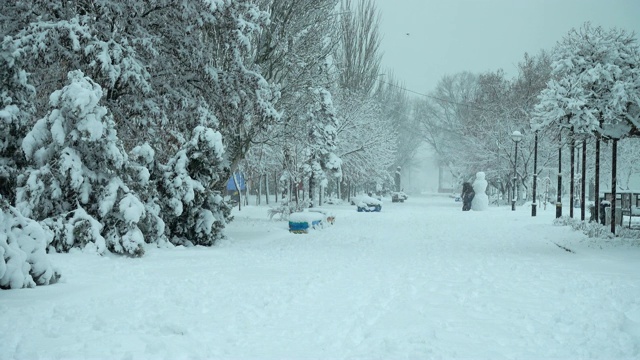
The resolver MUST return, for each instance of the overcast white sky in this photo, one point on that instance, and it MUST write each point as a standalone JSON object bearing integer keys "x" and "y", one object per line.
{"x": 450, "y": 36}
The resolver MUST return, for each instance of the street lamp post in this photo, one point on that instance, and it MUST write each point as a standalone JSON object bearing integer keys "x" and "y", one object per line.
{"x": 534, "y": 205}
{"x": 559, "y": 196}
{"x": 516, "y": 136}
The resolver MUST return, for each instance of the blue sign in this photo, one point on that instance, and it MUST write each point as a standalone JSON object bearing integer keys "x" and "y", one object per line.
{"x": 231, "y": 185}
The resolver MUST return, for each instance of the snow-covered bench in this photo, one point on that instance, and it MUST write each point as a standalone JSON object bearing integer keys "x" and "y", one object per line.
{"x": 329, "y": 216}
{"x": 369, "y": 204}
{"x": 301, "y": 222}
{"x": 398, "y": 196}
{"x": 631, "y": 213}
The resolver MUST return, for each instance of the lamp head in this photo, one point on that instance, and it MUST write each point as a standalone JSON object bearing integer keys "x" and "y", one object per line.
{"x": 516, "y": 136}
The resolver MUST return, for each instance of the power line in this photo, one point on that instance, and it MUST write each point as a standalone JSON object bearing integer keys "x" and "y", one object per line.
{"x": 432, "y": 97}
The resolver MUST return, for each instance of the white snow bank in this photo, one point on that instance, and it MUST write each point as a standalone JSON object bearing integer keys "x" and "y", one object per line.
{"x": 23, "y": 259}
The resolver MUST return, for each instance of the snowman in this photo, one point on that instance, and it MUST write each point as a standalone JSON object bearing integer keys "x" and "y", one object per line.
{"x": 481, "y": 200}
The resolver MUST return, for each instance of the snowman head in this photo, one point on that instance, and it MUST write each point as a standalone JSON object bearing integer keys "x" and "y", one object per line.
{"x": 480, "y": 176}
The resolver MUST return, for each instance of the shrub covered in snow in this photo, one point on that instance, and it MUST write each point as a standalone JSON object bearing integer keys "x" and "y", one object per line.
{"x": 595, "y": 230}
{"x": 23, "y": 258}
{"x": 286, "y": 208}
{"x": 193, "y": 212}
{"x": 78, "y": 162}
{"x": 139, "y": 171}
{"x": 75, "y": 229}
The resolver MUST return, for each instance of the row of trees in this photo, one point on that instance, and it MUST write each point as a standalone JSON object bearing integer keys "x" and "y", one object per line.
{"x": 120, "y": 122}
{"x": 469, "y": 119}
{"x": 586, "y": 90}
{"x": 594, "y": 92}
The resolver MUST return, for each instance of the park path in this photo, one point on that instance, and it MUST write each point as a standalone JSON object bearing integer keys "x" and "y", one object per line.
{"x": 424, "y": 278}
{"x": 420, "y": 279}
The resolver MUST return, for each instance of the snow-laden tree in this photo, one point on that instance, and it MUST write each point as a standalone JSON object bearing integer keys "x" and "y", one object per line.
{"x": 55, "y": 37}
{"x": 502, "y": 106}
{"x": 321, "y": 162}
{"x": 307, "y": 145}
{"x": 194, "y": 212}
{"x": 359, "y": 54}
{"x": 165, "y": 67}
{"x": 78, "y": 161}
{"x": 595, "y": 87}
{"x": 444, "y": 117}
{"x": 533, "y": 74}
{"x": 594, "y": 91}
{"x": 23, "y": 256}
{"x": 628, "y": 163}
{"x": 629, "y": 155}
{"x": 294, "y": 52}
{"x": 397, "y": 108}
{"x": 244, "y": 103}
{"x": 469, "y": 118}
{"x": 366, "y": 140}
{"x": 163, "y": 64}
{"x": 295, "y": 49}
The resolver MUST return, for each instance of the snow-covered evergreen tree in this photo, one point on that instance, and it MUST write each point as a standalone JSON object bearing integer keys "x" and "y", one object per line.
{"x": 144, "y": 176}
{"x": 23, "y": 257}
{"x": 165, "y": 67}
{"x": 158, "y": 62}
{"x": 78, "y": 162}
{"x": 16, "y": 113}
{"x": 194, "y": 212}
{"x": 321, "y": 164}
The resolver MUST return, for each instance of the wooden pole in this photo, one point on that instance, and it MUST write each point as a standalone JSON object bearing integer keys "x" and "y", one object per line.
{"x": 573, "y": 176}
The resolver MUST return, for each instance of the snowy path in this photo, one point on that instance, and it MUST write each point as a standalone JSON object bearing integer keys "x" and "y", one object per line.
{"x": 418, "y": 280}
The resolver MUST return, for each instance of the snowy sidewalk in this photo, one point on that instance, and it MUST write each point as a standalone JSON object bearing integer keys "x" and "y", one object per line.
{"x": 420, "y": 279}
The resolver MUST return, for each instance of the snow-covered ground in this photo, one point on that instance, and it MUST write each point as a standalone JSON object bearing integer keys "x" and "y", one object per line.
{"x": 421, "y": 279}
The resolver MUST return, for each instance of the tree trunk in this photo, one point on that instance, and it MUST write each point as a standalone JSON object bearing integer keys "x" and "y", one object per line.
{"x": 275, "y": 185}
{"x": 247, "y": 191}
{"x": 259, "y": 195}
{"x": 294, "y": 190}
{"x": 266, "y": 188}
{"x": 311, "y": 185}
{"x": 534, "y": 205}
{"x": 614, "y": 170}
{"x": 584, "y": 180}
{"x": 597, "y": 180}
{"x": 235, "y": 182}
